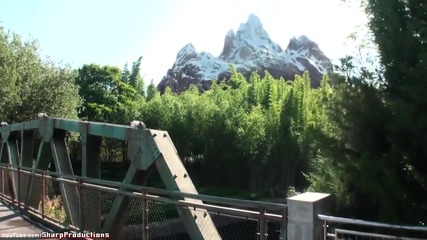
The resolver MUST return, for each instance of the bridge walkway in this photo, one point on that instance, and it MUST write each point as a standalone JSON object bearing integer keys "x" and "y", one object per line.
{"x": 12, "y": 221}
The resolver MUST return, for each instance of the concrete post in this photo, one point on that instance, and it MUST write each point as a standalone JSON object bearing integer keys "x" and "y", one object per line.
{"x": 303, "y": 223}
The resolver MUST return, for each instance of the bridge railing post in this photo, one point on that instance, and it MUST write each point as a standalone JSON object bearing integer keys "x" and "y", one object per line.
{"x": 12, "y": 187}
{"x": 43, "y": 193}
{"x": 262, "y": 223}
{"x": 2, "y": 180}
{"x": 81, "y": 218}
{"x": 284, "y": 225}
{"x": 18, "y": 194}
{"x": 303, "y": 219}
{"x": 145, "y": 216}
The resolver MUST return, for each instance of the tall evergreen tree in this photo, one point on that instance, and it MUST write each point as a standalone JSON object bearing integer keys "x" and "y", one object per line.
{"x": 400, "y": 30}
{"x": 377, "y": 147}
{"x": 151, "y": 91}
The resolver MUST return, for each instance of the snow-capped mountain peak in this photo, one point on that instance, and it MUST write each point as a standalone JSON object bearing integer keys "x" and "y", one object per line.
{"x": 252, "y": 25}
{"x": 249, "y": 49}
{"x": 186, "y": 53}
{"x": 231, "y": 33}
{"x": 249, "y": 39}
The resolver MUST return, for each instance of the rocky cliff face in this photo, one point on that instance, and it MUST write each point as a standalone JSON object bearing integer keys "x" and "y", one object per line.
{"x": 249, "y": 49}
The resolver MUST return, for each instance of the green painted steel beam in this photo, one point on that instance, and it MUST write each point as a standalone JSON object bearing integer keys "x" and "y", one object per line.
{"x": 46, "y": 128}
{"x": 91, "y": 159}
{"x": 109, "y": 131}
{"x": 13, "y": 155}
{"x": 69, "y": 125}
{"x": 31, "y": 125}
{"x": 91, "y": 167}
{"x": 173, "y": 173}
{"x": 5, "y": 133}
{"x": 142, "y": 150}
{"x": 45, "y": 124}
{"x": 63, "y": 165}
{"x": 16, "y": 127}
{"x": 121, "y": 203}
{"x": 27, "y": 148}
{"x": 3, "y": 154}
{"x": 106, "y": 130}
{"x": 35, "y": 188}
{"x": 4, "y": 160}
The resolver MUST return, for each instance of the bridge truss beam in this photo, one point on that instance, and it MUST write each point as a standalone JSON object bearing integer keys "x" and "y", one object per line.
{"x": 146, "y": 149}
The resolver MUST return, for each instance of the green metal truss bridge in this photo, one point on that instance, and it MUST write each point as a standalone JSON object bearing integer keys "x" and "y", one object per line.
{"x": 126, "y": 209}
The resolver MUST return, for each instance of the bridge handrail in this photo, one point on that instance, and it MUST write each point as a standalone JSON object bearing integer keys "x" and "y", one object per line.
{"x": 183, "y": 203}
{"x": 369, "y": 223}
{"x": 373, "y": 235}
{"x": 212, "y": 199}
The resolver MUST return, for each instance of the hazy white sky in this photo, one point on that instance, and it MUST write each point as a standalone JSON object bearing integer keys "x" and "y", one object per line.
{"x": 115, "y": 32}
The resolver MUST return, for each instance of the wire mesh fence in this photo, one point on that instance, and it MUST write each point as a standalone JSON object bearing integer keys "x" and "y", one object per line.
{"x": 163, "y": 222}
{"x": 276, "y": 230}
{"x": 95, "y": 207}
{"x": 7, "y": 189}
{"x": 135, "y": 214}
{"x": 235, "y": 227}
{"x": 41, "y": 195}
{"x": 58, "y": 200}
{"x": 24, "y": 180}
{"x": 84, "y": 205}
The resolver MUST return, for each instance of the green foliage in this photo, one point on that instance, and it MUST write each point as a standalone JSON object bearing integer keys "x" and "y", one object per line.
{"x": 133, "y": 77}
{"x": 151, "y": 91}
{"x": 30, "y": 85}
{"x": 106, "y": 98}
{"x": 252, "y": 135}
{"x": 373, "y": 153}
{"x": 111, "y": 95}
{"x": 399, "y": 29}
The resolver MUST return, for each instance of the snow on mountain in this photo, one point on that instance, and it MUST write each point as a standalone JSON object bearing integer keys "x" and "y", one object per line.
{"x": 249, "y": 49}
{"x": 251, "y": 38}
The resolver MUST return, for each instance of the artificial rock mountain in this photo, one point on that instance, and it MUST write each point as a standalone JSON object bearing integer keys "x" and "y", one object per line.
{"x": 249, "y": 49}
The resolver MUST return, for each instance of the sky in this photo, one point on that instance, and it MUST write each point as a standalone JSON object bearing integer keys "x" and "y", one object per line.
{"x": 115, "y": 32}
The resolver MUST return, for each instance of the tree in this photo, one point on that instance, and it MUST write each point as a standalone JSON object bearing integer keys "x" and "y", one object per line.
{"x": 133, "y": 77}
{"x": 105, "y": 97}
{"x": 376, "y": 149}
{"x": 400, "y": 29}
{"x": 151, "y": 91}
{"x": 30, "y": 85}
